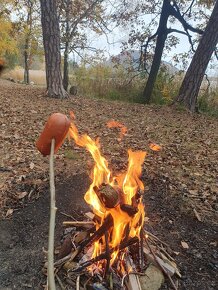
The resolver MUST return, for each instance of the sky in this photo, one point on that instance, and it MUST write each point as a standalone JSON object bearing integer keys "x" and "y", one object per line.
{"x": 112, "y": 45}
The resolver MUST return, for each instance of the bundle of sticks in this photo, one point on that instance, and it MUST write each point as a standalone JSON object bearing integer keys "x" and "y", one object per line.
{"x": 83, "y": 272}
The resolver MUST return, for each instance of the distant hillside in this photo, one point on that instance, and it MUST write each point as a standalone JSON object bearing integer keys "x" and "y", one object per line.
{"x": 131, "y": 59}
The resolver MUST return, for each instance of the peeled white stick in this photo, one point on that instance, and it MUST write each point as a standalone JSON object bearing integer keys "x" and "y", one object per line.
{"x": 53, "y": 209}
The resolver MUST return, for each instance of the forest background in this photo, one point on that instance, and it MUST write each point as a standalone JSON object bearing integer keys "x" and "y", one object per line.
{"x": 109, "y": 48}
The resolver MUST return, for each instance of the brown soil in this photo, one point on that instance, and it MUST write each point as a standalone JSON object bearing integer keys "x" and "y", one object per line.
{"x": 178, "y": 179}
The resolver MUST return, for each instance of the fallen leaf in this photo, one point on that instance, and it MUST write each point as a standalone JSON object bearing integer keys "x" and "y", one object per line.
{"x": 185, "y": 245}
{"x": 193, "y": 192}
{"x": 21, "y": 195}
{"x": 176, "y": 253}
{"x": 16, "y": 136}
{"x": 9, "y": 212}
{"x": 32, "y": 165}
{"x": 215, "y": 243}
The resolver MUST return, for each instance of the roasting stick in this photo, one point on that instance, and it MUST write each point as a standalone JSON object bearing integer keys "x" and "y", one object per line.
{"x": 53, "y": 209}
{"x": 48, "y": 143}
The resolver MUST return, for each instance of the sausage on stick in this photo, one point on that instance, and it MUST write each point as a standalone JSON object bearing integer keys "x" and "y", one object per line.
{"x": 49, "y": 142}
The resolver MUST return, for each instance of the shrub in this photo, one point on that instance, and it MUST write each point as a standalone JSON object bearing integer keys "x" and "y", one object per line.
{"x": 105, "y": 82}
{"x": 208, "y": 102}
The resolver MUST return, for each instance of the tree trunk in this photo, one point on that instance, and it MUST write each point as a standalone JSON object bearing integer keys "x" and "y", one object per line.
{"x": 26, "y": 62}
{"x": 51, "y": 41}
{"x": 27, "y": 48}
{"x": 190, "y": 87}
{"x": 66, "y": 67}
{"x": 67, "y": 45}
{"x": 161, "y": 38}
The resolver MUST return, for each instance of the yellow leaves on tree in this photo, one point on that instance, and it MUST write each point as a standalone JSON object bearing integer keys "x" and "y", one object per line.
{"x": 7, "y": 42}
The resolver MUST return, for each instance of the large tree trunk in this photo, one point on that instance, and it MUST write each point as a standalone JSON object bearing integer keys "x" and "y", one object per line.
{"x": 190, "y": 87}
{"x": 161, "y": 38}
{"x": 147, "y": 93}
{"x": 51, "y": 41}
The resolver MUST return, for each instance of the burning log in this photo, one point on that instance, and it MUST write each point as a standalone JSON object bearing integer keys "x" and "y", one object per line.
{"x": 129, "y": 209}
{"x": 108, "y": 222}
{"x": 107, "y": 194}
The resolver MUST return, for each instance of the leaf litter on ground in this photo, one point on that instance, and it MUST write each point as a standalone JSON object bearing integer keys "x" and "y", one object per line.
{"x": 186, "y": 156}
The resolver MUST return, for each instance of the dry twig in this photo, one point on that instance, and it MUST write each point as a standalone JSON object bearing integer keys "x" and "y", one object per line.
{"x": 77, "y": 282}
{"x": 84, "y": 224}
{"x": 59, "y": 282}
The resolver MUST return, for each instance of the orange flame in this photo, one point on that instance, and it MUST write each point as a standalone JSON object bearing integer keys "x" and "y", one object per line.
{"x": 127, "y": 184}
{"x": 115, "y": 124}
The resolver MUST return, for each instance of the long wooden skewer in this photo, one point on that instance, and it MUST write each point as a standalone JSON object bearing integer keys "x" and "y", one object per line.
{"x": 53, "y": 209}
{"x": 48, "y": 143}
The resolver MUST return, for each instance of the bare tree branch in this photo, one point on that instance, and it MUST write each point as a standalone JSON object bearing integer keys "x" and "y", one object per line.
{"x": 177, "y": 14}
{"x": 216, "y": 54}
{"x": 172, "y": 30}
{"x": 208, "y": 82}
{"x": 82, "y": 16}
{"x": 73, "y": 48}
{"x": 189, "y": 9}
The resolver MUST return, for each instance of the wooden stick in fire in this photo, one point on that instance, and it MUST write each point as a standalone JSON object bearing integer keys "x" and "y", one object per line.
{"x": 48, "y": 143}
{"x": 104, "y": 255}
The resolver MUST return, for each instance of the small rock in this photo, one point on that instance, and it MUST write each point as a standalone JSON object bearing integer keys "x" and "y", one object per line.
{"x": 152, "y": 280}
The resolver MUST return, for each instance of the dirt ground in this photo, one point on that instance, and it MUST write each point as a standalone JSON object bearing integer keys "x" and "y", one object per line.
{"x": 180, "y": 180}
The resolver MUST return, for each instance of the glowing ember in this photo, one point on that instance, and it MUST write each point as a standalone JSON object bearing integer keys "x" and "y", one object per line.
{"x": 154, "y": 147}
{"x": 128, "y": 210}
{"x": 115, "y": 124}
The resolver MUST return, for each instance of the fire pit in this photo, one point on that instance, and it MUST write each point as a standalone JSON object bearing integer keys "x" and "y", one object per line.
{"x": 109, "y": 248}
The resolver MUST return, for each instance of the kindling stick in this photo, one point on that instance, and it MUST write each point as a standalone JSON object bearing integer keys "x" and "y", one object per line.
{"x": 104, "y": 255}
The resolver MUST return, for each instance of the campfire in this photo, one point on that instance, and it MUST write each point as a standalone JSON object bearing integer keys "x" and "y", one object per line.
{"x": 110, "y": 249}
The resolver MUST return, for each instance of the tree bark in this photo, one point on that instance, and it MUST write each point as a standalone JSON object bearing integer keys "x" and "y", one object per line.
{"x": 161, "y": 38}
{"x": 190, "y": 87}
{"x": 66, "y": 67}
{"x": 51, "y": 41}
{"x": 26, "y": 61}
{"x": 27, "y": 47}
{"x": 67, "y": 45}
